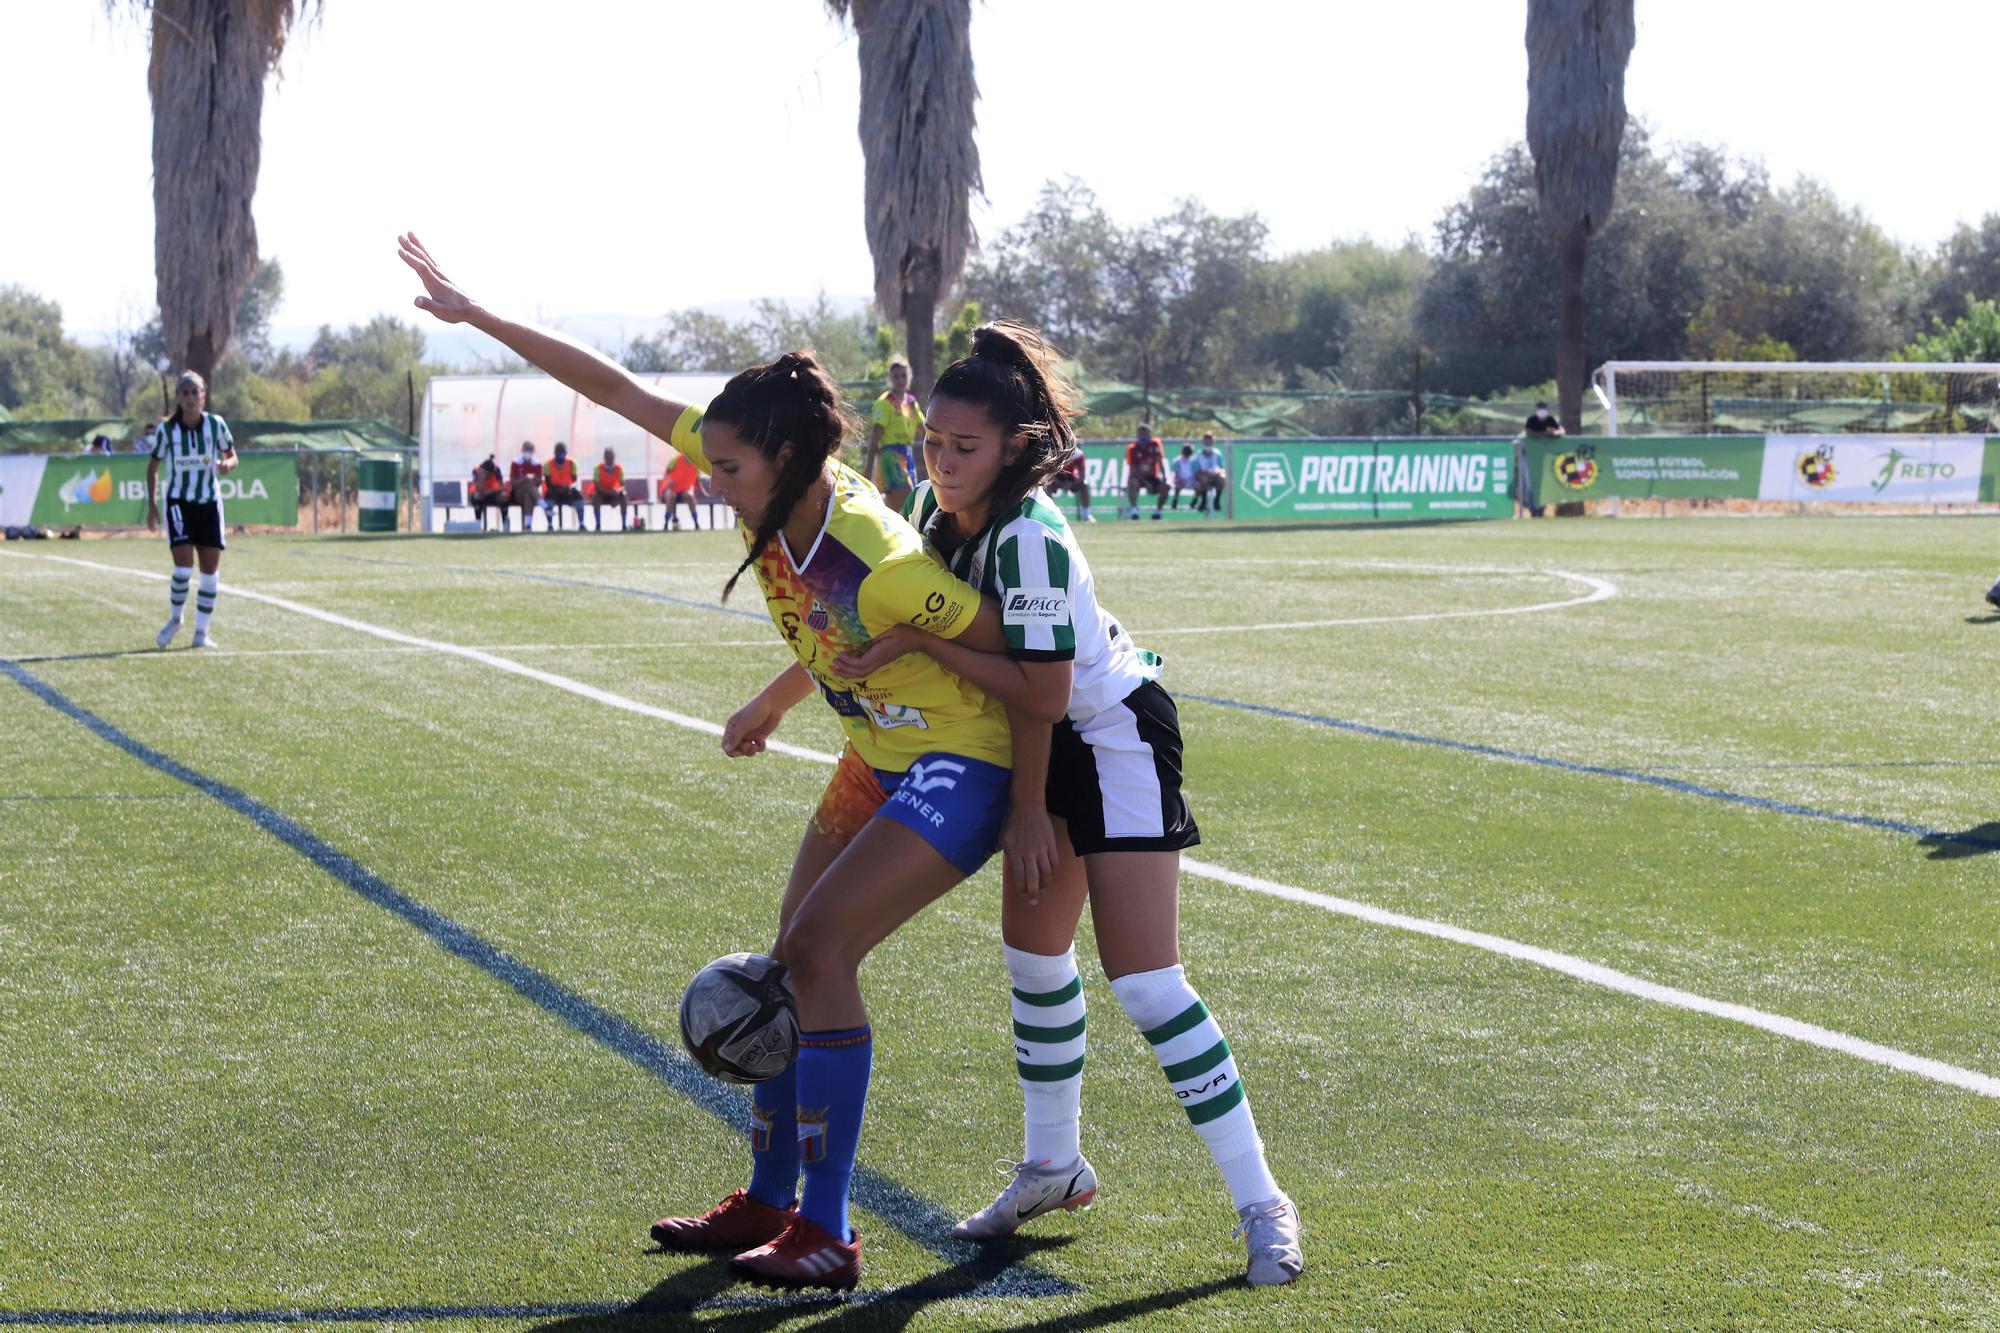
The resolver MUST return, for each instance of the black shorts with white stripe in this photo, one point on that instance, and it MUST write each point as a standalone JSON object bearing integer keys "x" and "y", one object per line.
{"x": 1117, "y": 777}
{"x": 194, "y": 523}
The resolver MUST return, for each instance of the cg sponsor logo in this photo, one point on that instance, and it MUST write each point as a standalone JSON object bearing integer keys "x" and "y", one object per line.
{"x": 1578, "y": 470}
{"x": 1816, "y": 468}
{"x": 1267, "y": 478}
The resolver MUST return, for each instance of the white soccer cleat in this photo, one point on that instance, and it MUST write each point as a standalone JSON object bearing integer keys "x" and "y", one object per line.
{"x": 1035, "y": 1191}
{"x": 167, "y": 632}
{"x": 1271, "y": 1233}
{"x": 201, "y": 639}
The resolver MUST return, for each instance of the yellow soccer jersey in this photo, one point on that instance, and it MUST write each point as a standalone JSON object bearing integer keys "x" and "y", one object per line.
{"x": 867, "y": 571}
{"x": 900, "y": 421}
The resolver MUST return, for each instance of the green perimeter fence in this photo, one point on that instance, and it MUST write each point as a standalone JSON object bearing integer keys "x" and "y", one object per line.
{"x": 1322, "y": 480}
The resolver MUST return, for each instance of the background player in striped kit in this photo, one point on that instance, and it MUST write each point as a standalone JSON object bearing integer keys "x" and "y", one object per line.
{"x": 196, "y": 447}
{"x": 1114, "y": 821}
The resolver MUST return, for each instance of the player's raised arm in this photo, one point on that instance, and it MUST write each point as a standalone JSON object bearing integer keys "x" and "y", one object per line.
{"x": 581, "y": 367}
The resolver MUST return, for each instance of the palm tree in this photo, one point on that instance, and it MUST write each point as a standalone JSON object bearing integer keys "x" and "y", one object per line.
{"x": 1577, "y": 51}
{"x": 209, "y": 62}
{"x": 917, "y": 93}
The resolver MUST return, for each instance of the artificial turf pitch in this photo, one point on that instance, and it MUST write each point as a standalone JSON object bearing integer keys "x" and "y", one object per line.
{"x": 341, "y": 969}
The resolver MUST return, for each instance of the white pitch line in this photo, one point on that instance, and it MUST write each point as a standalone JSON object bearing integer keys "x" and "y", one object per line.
{"x": 153, "y": 655}
{"x": 478, "y": 655}
{"x": 1582, "y": 969}
{"x": 1600, "y": 590}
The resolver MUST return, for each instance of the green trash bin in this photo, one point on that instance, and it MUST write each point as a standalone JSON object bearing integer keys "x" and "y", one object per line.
{"x": 375, "y": 490}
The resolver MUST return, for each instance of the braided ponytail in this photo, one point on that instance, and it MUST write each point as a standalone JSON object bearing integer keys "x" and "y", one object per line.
{"x": 789, "y": 402}
{"x": 1014, "y": 374}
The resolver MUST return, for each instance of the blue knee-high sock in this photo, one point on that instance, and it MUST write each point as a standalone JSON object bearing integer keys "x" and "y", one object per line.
{"x": 774, "y": 1139}
{"x": 833, "y": 1069}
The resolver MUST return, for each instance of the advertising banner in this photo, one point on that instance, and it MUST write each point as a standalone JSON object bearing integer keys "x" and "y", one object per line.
{"x": 1366, "y": 481}
{"x": 20, "y": 480}
{"x": 1650, "y": 467}
{"x": 1873, "y": 469}
{"x": 109, "y": 491}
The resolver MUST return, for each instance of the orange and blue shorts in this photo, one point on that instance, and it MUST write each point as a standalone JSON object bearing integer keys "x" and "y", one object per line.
{"x": 955, "y": 803}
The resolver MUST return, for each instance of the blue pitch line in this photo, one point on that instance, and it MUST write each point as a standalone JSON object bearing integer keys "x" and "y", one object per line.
{"x": 561, "y": 583}
{"x": 1382, "y": 733}
{"x": 1604, "y": 771}
{"x": 910, "y": 1213}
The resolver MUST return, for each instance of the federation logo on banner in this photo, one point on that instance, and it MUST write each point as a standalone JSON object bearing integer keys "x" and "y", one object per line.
{"x": 1578, "y": 471}
{"x": 1816, "y": 468}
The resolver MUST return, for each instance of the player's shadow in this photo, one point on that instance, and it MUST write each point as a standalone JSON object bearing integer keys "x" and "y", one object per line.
{"x": 1989, "y": 618}
{"x": 732, "y": 1305}
{"x": 92, "y": 657}
{"x": 1979, "y": 840}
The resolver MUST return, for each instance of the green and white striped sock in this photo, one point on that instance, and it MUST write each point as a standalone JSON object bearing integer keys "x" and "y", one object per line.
{"x": 1196, "y": 1060}
{"x": 177, "y": 591}
{"x": 1048, "y": 1052}
{"x": 204, "y": 602}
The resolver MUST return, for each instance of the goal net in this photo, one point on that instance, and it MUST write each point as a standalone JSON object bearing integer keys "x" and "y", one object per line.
{"x": 1798, "y": 397}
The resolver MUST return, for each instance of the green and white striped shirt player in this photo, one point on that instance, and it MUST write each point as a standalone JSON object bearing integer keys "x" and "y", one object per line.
{"x": 191, "y": 456}
{"x": 1029, "y": 561}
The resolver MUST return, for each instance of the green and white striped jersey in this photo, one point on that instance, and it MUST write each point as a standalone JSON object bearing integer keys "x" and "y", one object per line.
{"x": 191, "y": 456}
{"x": 1029, "y": 561}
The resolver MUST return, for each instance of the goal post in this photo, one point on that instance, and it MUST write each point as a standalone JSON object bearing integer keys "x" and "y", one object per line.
{"x": 1799, "y": 397}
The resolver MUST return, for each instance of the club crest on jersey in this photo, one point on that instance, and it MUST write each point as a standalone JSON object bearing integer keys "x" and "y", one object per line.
{"x": 1036, "y": 606}
{"x": 816, "y": 618}
{"x": 812, "y": 1134}
{"x": 937, "y": 773}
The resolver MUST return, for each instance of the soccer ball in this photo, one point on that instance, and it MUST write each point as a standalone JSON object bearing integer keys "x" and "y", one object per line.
{"x": 738, "y": 1020}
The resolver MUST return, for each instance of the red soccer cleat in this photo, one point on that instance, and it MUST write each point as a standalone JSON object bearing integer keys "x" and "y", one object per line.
{"x": 737, "y": 1223}
{"x": 805, "y": 1256}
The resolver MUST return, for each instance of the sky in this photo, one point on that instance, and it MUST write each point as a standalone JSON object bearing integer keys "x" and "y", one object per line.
{"x": 634, "y": 157}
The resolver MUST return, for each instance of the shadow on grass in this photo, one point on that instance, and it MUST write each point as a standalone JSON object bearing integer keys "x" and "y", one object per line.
{"x": 733, "y": 1305}
{"x": 1106, "y": 1315}
{"x": 97, "y": 657}
{"x": 1989, "y": 618}
{"x": 1979, "y": 840}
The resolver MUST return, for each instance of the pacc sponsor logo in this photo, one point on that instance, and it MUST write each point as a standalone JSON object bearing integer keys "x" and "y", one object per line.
{"x": 1816, "y": 468}
{"x": 1036, "y": 606}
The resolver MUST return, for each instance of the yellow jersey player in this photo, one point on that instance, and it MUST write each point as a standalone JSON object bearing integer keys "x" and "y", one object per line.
{"x": 894, "y": 425}
{"x": 920, "y": 792}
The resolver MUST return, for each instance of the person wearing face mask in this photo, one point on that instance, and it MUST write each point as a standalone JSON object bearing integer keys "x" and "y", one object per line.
{"x": 524, "y": 483}
{"x": 560, "y": 488}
